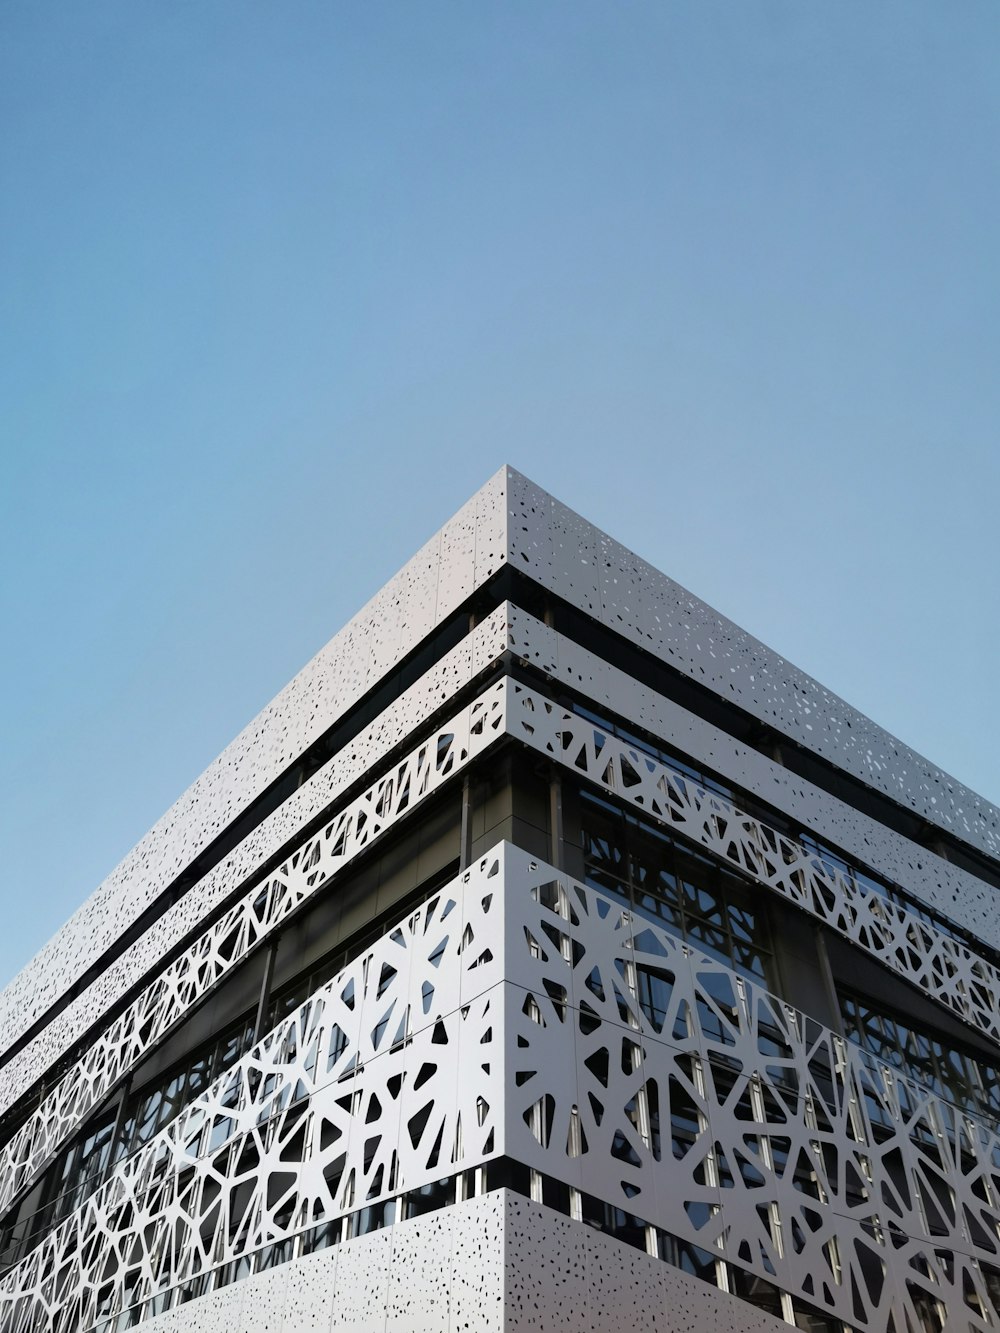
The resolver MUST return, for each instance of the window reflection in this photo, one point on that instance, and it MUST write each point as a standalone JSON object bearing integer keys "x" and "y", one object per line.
{"x": 823, "y": 855}
{"x": 968, "y": 1080}
{"x": 686, "y": 892}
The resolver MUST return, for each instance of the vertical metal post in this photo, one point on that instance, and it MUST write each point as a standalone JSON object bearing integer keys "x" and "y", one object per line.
{"x": 829, "y": 985}
{"x": 465, "y": 850}
{"x": 119, "y": 1123}
{"x": 555, "y": 820}
{"x": 265, "y": 991}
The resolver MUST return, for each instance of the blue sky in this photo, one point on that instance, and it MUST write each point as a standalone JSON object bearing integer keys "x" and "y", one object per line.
{"x": 281, "y": 285}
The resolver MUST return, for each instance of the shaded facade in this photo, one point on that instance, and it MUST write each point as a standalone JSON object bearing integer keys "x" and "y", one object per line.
{"x": 549, "y": 954}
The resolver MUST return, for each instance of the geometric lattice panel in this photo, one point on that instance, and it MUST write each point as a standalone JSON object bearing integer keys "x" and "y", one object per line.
{"x": 523, "y": 1014}
{"x": 388, "y": 1078}
{"x": 307, "y": 871}
{"x": 941, "y": 965}
{"x": 655, "y": 1078}
{"x": 409, "y": 712}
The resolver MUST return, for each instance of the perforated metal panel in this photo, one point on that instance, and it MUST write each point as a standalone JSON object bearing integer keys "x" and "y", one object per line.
{"x": 519, "y": 1019}
{"x": 506, "y": 1018}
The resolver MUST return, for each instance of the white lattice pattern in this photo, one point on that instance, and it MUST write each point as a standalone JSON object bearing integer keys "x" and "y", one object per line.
{"x": 928, "y": 878}
{"x": 260, "y": 912}
{"x": 509, "y": 521}
{"x": 626, "y": 1065}
{"x": 365, "y": 753}
{"x": 387, "y": 1079}
{"x": 653, "y": 1077}
{"x": 943, "y": 967}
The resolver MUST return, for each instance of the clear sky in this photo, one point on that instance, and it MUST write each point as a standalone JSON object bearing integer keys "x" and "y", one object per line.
{"x": 282, "y": 284}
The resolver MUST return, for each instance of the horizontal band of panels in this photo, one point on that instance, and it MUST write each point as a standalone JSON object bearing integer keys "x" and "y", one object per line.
{"x": 508, "y": 520}
{"x": 432, "y": 585}
{"x": 425, "y": 1274}
{"x": 942, "y": 967}
{"x": 482, "y": 647}
{"x": 943, "y": 886}
{"x": 653, "y": 1077}
{"x": 261, "y": 911}
{"x": 513, "y": 1015}
{"x": 612, "y": 585}
{"x": 614, "y": 1288}
{"x": 495, "y": 1263}
{"x": 388, "y": 1078}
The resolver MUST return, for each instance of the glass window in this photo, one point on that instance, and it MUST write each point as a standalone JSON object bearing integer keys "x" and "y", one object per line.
{"x": 826, "y": 857}
{"x": 683, "y": 890}
{"x": 967, "y": 1079}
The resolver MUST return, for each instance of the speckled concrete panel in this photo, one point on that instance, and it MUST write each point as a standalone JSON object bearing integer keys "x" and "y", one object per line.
{"x": 362, "y": 1284}
{"x": 492, "y": 545}
{"x": 409, "y": 608}
{"x": 255, "y": 1305}
{"x": 653, "y": 611}
{"x": 392, "y": 623}
{"x": 296, "y": 1297}
{"x": 264, "y": 1301}
{"x": 952, "y": 891}
{"x": 431, "y": 1274}
{"x": 461, "y": 665}
{"x": 477, "y": 1264}
{"x": 457, "y": 579}
{"x": 562, "y": 1274}
{"x": 446, "y": 1270}
{"x": 419, "y": 1268}
{"x": 309, "y": 1293}
{"x": 217, "y": 1312}
{"x": 569, "y": 554}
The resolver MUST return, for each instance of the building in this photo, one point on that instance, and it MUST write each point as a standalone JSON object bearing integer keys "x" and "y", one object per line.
{"x": 548, "y": 955}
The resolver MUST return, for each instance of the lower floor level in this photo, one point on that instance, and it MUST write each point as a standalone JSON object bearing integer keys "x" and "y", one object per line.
{"x": 498, "y": 1263}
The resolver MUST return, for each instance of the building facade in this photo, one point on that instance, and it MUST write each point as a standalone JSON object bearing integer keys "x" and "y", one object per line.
{"x": 548, "y": 955}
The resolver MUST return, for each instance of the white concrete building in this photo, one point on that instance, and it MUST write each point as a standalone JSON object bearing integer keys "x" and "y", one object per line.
{"x": 548, "y": 955}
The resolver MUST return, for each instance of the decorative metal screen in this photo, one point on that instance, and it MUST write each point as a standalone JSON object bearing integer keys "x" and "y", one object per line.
{"x": 527, "y": 1015}
{"x": 944, "y": 968}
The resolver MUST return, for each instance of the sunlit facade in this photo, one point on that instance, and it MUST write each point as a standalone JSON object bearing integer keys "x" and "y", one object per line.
{"x": 549, "y": 954}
